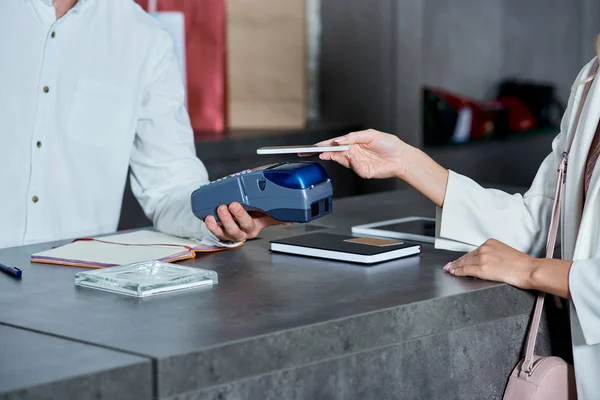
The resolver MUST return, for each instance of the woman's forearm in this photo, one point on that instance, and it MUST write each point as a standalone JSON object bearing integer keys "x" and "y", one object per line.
{"x": 549, "y": 276}
{"x": 431, "y": 179}
{"x": 425, "y": 175}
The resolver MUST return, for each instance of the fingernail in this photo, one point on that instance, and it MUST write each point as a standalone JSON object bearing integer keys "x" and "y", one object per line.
{"x": 447, "y": 266}
{"x": 332, "y": 158}
{"x": 222, "y": 210}
{"x": 322, "y": 156}
{"x": 340, "y": 139}
{"x": 234, "y": 207}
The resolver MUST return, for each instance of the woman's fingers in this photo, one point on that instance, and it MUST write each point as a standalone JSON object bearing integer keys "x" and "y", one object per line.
{"x": 342, "y": 158}
{"x": 358, "y": 137}
{"x": 469, "y": 260}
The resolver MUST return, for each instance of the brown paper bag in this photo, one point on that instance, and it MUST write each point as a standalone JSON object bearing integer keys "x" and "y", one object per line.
{"x": 266, "y": 60}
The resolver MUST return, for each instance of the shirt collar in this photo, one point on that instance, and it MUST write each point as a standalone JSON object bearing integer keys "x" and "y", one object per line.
{"x": 76, "y": 7}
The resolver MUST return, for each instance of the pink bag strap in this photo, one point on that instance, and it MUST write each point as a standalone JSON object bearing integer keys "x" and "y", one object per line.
{"x": 553, "y": 230}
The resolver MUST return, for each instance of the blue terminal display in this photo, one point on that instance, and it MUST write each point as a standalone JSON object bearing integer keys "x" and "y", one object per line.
{"x": 297, "y": 175}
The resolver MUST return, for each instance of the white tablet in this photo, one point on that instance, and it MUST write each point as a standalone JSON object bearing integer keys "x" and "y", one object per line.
{"x": 418, "y": 229}
{"x": 299, "y": 149}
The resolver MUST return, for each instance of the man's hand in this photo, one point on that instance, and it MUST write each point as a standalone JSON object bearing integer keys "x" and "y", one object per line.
{"x": 237, "y": 225}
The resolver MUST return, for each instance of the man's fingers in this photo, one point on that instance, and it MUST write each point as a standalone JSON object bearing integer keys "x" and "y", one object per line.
{"x": 215, "y": 229}
{"x": 244, "y": 220}
{"x": 229, "y": 225}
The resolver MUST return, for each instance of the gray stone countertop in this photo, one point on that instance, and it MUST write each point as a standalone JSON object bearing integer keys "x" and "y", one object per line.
{"x": 39, "y": 366}
{"x": 270, "y": 311}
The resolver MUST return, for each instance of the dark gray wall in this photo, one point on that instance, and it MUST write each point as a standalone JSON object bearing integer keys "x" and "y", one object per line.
{"x": 356, "y": 61}
{"x": 361, "y": 57}
{"x": 461, "y": 47}
{"x": 590, "y": 23}
{"x": 377, "y": 55}
{"x": 542, "y": 41}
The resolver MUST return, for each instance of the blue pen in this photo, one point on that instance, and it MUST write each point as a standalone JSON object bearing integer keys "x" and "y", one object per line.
{"x": 14, "y": 271}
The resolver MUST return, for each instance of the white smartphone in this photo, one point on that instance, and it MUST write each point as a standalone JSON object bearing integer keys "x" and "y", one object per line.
{"x": 299, "y": 149}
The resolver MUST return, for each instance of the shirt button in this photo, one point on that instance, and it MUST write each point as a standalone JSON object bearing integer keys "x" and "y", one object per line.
{"x": 39, "y": 145}
{"x": 35, "y": 199}
{"x": 46, "y": 89}
{"x": 53, "y": 35}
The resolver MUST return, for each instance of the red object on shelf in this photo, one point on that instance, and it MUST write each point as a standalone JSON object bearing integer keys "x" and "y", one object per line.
{"x": 205, "y": 60}
{"x": 520, "y": 116}
{"x": 480, "y": 122}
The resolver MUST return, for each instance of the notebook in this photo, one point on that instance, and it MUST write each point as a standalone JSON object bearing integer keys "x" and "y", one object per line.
{"x": 126, "y": 248}
{"x": 364, "y": 250}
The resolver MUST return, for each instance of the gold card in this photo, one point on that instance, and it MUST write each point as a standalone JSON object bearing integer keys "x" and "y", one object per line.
{"x": 370, "y": 241}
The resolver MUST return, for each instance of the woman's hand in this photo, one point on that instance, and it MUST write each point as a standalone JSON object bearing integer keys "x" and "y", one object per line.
{"x": 496, "y": 261}
{"x": 237, "y": 225}
{"x": 372, "y": 154}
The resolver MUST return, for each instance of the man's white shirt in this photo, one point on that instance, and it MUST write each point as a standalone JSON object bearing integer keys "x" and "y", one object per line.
{"x": 81, "y": 100}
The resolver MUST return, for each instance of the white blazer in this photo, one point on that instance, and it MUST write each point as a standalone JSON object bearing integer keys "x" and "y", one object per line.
{"x": 472, "y": 214}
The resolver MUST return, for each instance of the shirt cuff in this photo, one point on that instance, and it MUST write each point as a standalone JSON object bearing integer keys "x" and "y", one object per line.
{"x": 207, "y": 238}
{"x": 450, "y": 219}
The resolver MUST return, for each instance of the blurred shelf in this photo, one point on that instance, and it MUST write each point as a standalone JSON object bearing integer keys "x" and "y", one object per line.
{"x": 234, "y": 144}
{"x": 508, "y": 137}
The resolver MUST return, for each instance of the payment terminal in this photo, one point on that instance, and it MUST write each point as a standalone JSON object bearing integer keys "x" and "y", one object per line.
{"x": 287, "y": 191}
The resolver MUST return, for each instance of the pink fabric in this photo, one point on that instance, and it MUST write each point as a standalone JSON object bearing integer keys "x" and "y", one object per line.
{"x": 551, "y": 379}
{"x": 591, "y": 161}
{"x": 205, "y": 47}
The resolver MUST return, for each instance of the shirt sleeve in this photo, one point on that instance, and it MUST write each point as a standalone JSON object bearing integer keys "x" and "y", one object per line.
{"x": 472, "y": 214}
{"x": 164, "y": 167}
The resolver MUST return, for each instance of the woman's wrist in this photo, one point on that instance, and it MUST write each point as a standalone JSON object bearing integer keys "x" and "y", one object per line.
{"x": 422, "y": 173}
{"x": 546, "y": 275}
{"x": 405, "y": 157}
{"x": 527, "y": 276}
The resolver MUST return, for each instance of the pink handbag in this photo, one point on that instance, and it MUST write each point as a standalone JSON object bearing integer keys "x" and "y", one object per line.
{"x": 547, "y": 378}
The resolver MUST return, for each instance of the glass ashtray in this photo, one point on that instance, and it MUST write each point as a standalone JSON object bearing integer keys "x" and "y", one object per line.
{"x": 148, "y": 278}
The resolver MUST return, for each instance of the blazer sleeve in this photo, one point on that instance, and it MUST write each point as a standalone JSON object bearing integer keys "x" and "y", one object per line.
{"x": 584, "y": 281}
{"x": 472, "y": 214}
